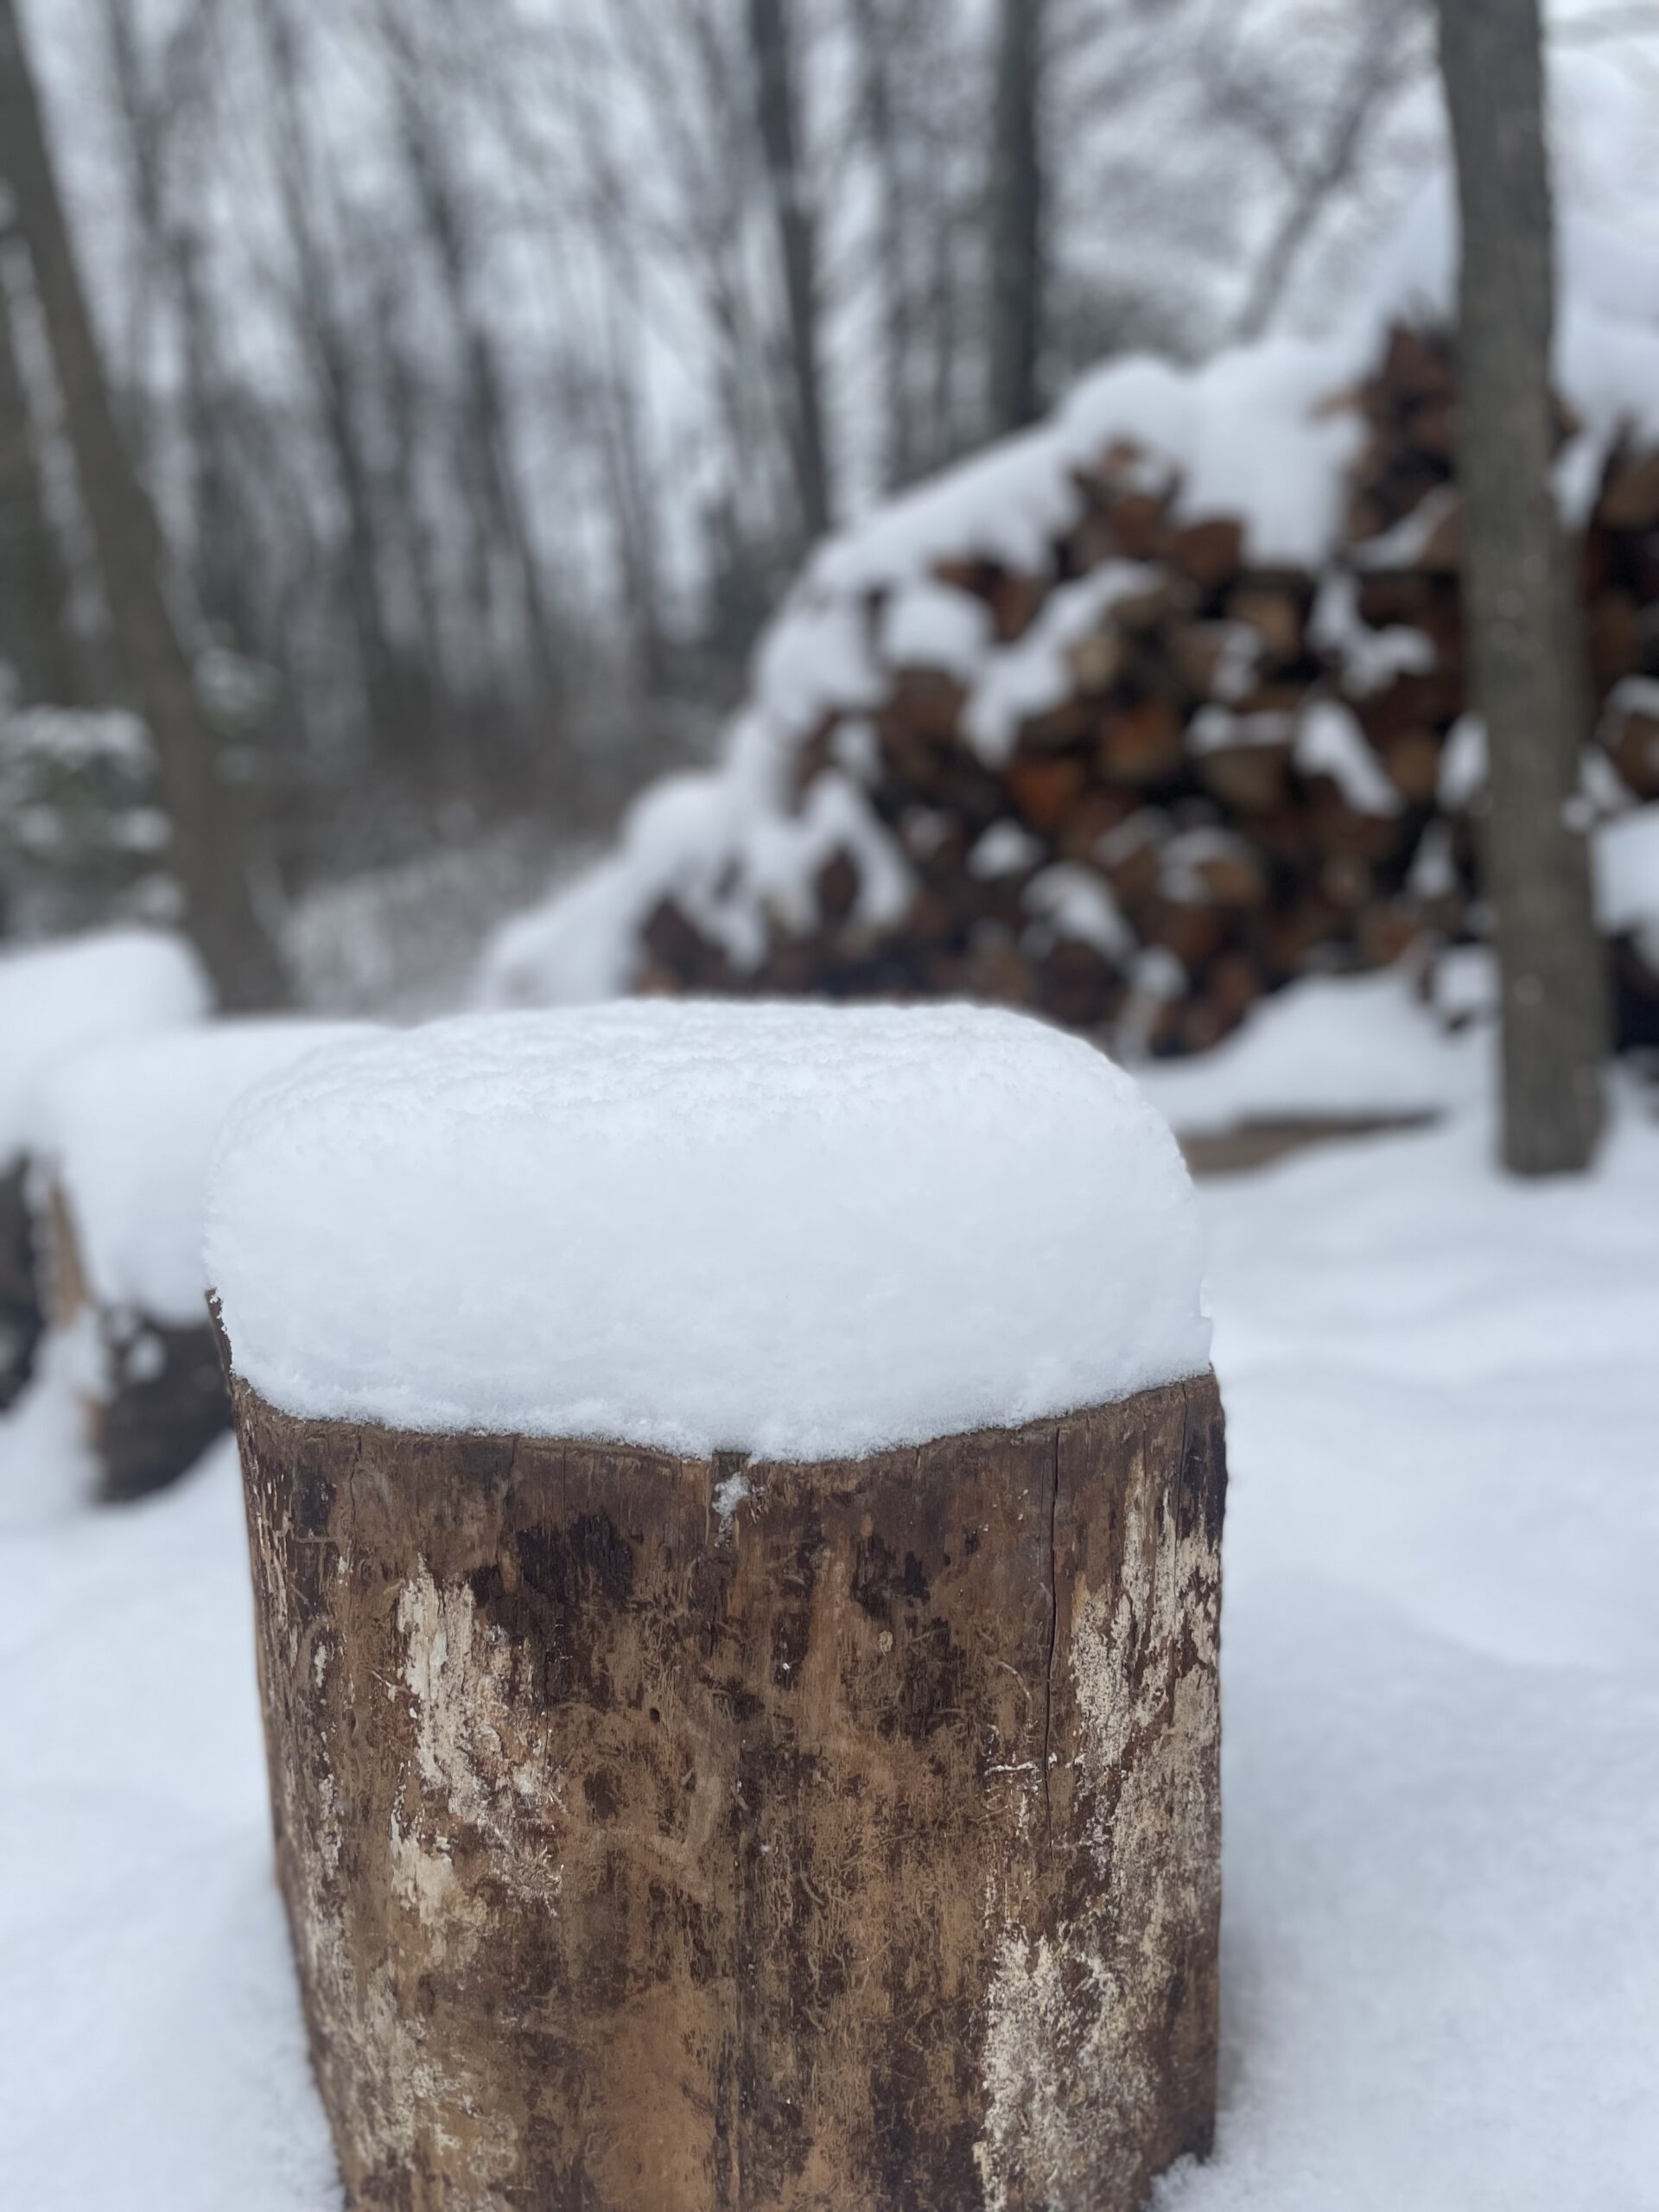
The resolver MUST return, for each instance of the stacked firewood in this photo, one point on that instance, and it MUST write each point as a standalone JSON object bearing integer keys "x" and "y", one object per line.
{"x": 1251, "y": 771}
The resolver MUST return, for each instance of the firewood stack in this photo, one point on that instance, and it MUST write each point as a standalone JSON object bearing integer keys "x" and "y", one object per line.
{"x": 1250, "y": 771}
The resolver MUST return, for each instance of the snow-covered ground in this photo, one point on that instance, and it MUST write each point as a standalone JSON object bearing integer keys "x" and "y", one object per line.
{"x": 1441, "y": 1656}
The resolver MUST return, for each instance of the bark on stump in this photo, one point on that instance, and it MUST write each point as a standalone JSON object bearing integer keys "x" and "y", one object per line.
{"x": 681, "y": 1835}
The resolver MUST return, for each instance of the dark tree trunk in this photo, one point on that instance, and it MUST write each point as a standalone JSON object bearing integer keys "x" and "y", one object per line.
{"x": 209, "y": 851}
{"x": 673, "y": 1835}
{"x": 35, "y": 635}
{"x": 400, "y": 697}
{"x": 775, "y": 108}
{"x": 878, "y": 38}
{"x": 1016, "y": 219}
{"x": 1522, "y": 616}
{"x": 499, "y": 521}
{"x": 22, "y": 1319}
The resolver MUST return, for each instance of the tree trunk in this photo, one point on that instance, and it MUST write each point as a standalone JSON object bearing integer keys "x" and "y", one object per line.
{"x": 1522, "y": 612}
{"x": 399, "y": 708}
{"x": 793, "y": 215}
{"x": 207, "y": 850}
{"x": 1016, "y": 219}
{"x": 879, "y": 34}
{"x": 499, "y": 521}
{"x": 678, "y": 1834}
{"x": 35, "y": 635}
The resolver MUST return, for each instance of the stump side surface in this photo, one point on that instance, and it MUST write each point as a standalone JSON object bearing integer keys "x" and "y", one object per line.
{"x": 694, "y": 1833}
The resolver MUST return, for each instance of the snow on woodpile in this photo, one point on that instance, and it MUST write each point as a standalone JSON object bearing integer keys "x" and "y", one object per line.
{"x": 127, "y": 1132}
{"x": 798, "y": 1230}
{"x": 57, "y": 999}
{"x": 1218, "y": 604}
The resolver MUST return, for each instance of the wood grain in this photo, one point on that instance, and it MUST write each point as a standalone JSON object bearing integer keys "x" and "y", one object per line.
{"x": 687, "y": 1834}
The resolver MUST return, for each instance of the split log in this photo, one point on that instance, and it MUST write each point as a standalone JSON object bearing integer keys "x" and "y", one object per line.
{"x": 1210, "y": 553}
{"x": 1630, "y": 734}
{"x": 665, "y": 1835}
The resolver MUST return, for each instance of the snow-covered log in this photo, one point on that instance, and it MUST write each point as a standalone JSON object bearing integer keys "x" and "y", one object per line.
{"x": 123, "y": 1136}
{"x": 57, "y": 1001}
{"x": 735, "y": 1499}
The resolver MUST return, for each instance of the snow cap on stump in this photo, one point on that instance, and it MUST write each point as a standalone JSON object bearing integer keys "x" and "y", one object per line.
{"x": 796, "y": 1231}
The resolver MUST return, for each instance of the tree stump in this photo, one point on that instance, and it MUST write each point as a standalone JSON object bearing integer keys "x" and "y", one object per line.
{"x": 676, "y": 1835}
{"x": 127, "y": 1135}
{"x": 154, "y": 1399}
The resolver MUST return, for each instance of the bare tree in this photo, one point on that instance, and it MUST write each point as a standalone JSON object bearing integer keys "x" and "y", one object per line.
{"x": 208, "y": 850}
{"x": 794, "y": 218}
{"x": 914, "y": 74}
{"x": 1318, "y": 164}
{"x": 501, "y": 522}
{"x": 491, "y": 359}
{"x": 399, "y": 712}
{"x": 35, "y": 640}
{"x": 1521, "y": 615}
{"x": 1016, "y": 225}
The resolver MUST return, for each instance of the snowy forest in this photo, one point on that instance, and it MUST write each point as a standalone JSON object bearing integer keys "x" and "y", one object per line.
{"x": 491, "y": 368}
{"x": 828, "y": 1105}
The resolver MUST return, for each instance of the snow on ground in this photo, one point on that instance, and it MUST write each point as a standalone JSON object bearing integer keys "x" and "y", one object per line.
{"x": 1441, "y": 1671}
{"x": 152, "y": 2055}
{"x": 1346, "y": 1047}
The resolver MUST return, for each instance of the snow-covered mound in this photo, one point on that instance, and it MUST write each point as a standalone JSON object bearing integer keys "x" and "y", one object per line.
{"x": 57, "y": 999}
{"x": 1246, "y": 435}
{"x": 1205, "y": 601}
{"x": 128, "y": 1131}
{"x": 795, "y": 1230}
